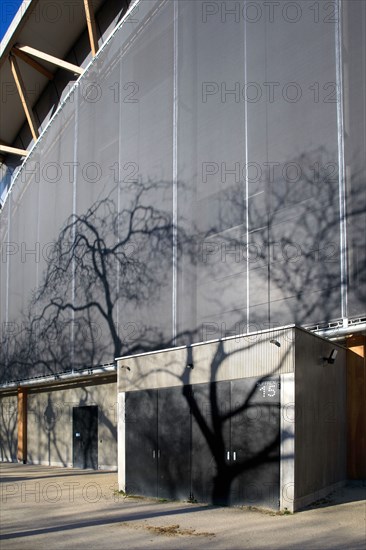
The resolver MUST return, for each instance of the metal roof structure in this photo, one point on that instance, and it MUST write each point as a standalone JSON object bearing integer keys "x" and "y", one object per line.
{"x": 43, "y": 31}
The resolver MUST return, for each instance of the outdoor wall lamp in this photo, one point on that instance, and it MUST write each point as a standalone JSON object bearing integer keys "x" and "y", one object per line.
{"x": 275, "y": 342}
{"x": 190, "y": 366}
{"x": 332, "y": 357}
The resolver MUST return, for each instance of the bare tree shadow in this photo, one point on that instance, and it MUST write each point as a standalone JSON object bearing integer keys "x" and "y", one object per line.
{"x": 112, "y": 265}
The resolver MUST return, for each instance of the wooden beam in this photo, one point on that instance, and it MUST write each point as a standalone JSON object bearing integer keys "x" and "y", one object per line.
{"x": 23, "y": 96}
{"x": 22, "y": 425}
{"x": 13, "y": 150}
{"x": 33, "y": 63}
{"x": 50, "y": 58}
{"x": 92, "y": 29}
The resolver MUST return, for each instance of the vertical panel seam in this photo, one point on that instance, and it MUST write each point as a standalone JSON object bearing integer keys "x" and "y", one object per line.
{"x": 175, "y": 174}
{"x": 341, "y": 166}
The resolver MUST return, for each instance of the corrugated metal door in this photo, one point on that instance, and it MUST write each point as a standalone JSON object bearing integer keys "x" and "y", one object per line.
{"x": 141, "y": 443}
{"x": 255, "y": 442}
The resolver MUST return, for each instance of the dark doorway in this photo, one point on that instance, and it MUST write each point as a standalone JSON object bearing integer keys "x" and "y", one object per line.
{"x": 255, "y": 442}
{"x": 174, "y": 445}
{"x": 212, "y": 402}
{"x": 141, "y": 446}
{"x": 217, "y": 442}
{"x": 85, "y": 437}
{"x": 240, "y": 464}
{"x": 158, "y": 448}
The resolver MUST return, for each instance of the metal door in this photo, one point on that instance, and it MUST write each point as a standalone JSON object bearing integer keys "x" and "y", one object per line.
{"x": 210, "y": 405}
{"x": 174, "y": 444}
{"x": 141, "y": 442}
{"x": 85, "y": 437}
{"x": 255, "y": 441}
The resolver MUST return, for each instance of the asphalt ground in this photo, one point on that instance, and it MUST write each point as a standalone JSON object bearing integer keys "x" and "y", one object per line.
{"x": 54, "y": 508}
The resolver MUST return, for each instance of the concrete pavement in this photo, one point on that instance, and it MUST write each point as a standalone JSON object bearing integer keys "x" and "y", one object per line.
{"x": 44, "y": 507}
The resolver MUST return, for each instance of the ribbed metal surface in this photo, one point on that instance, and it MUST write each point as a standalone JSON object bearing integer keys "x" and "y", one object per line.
{"x": 230, "y": 359}
{"x": 220, "y": 252}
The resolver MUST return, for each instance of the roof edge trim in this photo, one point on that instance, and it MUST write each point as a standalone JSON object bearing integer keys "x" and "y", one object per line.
{"x": 66, "y": 98}
{"x": 16, "y": 25}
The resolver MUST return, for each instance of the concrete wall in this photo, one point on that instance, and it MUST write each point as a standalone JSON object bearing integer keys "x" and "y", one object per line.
{"x": 320, "y": 418}
{"x": 230, "y": 359}
{"x": 50, "y": 423}
{"x": 8, "y": 428}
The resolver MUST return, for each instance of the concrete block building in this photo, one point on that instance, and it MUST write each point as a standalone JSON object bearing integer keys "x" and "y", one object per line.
{"x": 183, "y": 237}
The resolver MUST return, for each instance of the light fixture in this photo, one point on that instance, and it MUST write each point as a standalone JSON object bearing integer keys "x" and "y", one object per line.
{"x": 275, "y": 342}
{"x": 190, "y": 366}
{"x": 332, "y": 357}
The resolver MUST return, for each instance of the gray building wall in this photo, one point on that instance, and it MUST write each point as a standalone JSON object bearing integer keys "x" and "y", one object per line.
{"x": 320, "y": 417}
{"x": 8, "y": 428}
{"x": 230, "y": 359}
{"x": 50, "y": 430}
{"x": 194, "y": 247}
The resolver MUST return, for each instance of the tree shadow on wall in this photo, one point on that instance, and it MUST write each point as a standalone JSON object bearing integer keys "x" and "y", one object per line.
{"x": 235, "y": 434}
{"x": 110, "y": 271}
{"x": 8, "y": 429}
{"x": 284, "y": 241}
{"x": 215, "y": 442}
{"x": 105, "y": 266}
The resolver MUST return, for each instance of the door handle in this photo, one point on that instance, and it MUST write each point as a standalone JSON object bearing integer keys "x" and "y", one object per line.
{"x": 227, "y": 455}
{"x": 153, "y": 454}
{"x": 158, "y": 453}
{"x": 234, "y": 455}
